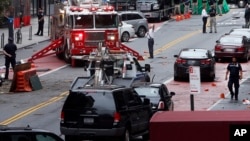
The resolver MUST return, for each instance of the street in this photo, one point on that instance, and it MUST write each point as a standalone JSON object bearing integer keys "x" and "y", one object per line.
{"x": 42, "y": 108}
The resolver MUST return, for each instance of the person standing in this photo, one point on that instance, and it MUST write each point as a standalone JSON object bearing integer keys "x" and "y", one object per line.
{"x": 247, "y": 16}
{"x": 235, "y": 70}
{"x": 150, "y": 36}
{"x": 220, "y": 2}
{"x": 212, "y": 14}
{"x": 194, "y": 7}
{"x": 204, "y": 16}
{"x": 177, "y": 8}
{"x": 186, "y": 6}
{"x": 9, "y": 51}
{"x": 40, "y": 16}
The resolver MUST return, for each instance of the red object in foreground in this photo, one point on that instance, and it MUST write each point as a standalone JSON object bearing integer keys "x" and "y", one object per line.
{"x": 197, "y": 125}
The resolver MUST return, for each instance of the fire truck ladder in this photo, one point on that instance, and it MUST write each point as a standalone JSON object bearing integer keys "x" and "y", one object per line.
{"x": 44, "y": 52}
{"x": 131, "y": 51}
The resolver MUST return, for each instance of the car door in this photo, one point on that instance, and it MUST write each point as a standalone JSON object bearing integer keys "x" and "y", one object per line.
{"x": 166, "y": 96}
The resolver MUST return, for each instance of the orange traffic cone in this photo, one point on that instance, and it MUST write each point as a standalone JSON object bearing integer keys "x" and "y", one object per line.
{"x": 178, "y": 18}
{"x": 222, "y": 95}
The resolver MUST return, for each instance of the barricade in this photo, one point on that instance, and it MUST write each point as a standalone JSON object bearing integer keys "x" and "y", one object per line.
{"x": 25, "y": 78}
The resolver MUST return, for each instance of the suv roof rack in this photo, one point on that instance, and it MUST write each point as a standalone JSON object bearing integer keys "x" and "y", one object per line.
{"x": 5, "y": 128}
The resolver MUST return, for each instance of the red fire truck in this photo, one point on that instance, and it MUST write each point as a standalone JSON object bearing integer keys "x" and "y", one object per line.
{"x": 79, "y": 27}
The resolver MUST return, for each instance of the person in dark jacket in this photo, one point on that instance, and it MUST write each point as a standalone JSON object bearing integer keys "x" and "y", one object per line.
{"x": 212, "y": 14}
{"x": 9, "y": 51}
{"x": 40, "y": 16}
{"x": 247, "y": 16}
{"x": 235, "y": 70}
{"x": 194, "y": 6}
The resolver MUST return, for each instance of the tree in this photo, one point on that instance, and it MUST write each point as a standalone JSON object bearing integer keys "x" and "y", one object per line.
{"x": 4, "y": 5}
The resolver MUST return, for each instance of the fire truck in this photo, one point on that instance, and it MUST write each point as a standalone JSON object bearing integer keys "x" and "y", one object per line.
{"x": 79, "y": 26}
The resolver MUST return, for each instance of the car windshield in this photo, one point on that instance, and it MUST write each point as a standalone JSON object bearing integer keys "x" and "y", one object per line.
{"x": 147, "y": 91}
{"x": 231, "y": 40}
{"x": 244, "y": 33}
{"x": 195, "y": 53}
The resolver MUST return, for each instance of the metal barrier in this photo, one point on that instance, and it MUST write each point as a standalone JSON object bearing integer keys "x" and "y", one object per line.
{"x": 2, "y": 40}
{"x": 30, "y": 33}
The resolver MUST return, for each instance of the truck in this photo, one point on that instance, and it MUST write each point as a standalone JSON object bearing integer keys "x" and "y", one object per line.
{"x": 155, "y": 9}
{"x": 152, "y": 9}
{"x": 78, "y": 27}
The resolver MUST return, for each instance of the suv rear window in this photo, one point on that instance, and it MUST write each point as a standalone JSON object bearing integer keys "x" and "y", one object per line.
{"x": 79, "y": 100}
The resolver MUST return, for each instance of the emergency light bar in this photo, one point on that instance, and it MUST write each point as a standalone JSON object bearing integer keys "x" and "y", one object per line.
{"x": 92, "y": 8}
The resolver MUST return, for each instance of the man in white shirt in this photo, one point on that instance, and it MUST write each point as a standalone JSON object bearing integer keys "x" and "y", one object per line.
{"x": 150, "y": 36}
{"x": 204, "y": 16}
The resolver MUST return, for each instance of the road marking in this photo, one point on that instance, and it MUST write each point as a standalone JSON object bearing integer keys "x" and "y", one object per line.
{"x": 33, "y": 109}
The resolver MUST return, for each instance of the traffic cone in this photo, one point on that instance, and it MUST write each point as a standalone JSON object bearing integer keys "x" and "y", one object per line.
{"x": 178, "y": 18}
{"x": 222, "y": 95}
{"x": 182, "y": 17}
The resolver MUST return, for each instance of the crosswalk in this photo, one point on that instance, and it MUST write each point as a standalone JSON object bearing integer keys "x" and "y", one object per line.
{"x": 237, "y": 19}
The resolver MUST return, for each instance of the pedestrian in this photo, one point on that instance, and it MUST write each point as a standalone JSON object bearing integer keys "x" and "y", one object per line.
{"x": 150, "y": 36}
{"x": 204, "y": 16}
{"x": 247, "y": 16}
{"x": 40, "y": 16}
{"x": 235, "y": 70}
{"x": 212, "y": 14}
{"x": 220, "y": 2}
{"x": 211, "y": 2}
{"x": 177, "y": 8}
{"x": 9, "y": 51}
{"x": 186, "y": 6}
{"x": 194, "y": 7}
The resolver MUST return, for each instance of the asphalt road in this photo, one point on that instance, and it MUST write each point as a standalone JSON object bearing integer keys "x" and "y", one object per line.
{"x": 42, "y": 108}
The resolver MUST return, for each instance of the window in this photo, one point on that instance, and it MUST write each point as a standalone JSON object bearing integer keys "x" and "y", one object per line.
{"x": 119, "y": 99}
{"x": 84, "y": 21}
{"x": 106, "y": 21}
{"x": 45, "y": 137}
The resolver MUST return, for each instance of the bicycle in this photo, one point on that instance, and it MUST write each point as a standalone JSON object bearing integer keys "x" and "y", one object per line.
{"x": 18, "y": 36}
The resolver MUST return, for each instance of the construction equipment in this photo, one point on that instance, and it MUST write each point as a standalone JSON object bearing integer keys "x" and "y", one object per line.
{"x": 77, "y": 27}
{"x": 113, "y": 67}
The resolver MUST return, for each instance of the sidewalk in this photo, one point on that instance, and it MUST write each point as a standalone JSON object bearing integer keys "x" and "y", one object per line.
{"x": 28, "y": 39}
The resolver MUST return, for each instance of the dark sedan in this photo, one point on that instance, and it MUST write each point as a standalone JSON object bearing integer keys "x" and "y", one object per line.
{"x": 232, "y": 45}
{"x": 160, "y": 97}
{"x": 194, "y": 57}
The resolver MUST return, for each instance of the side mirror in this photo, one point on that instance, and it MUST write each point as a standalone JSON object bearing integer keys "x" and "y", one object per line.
{"x": 146, "y": 101}
{"x": 172, "y": 93}
{"x": 147, "y": 67}
{"x": 217, "y": 41}
{"x": 176, "y": 56}
{"x": 226, "y": 33}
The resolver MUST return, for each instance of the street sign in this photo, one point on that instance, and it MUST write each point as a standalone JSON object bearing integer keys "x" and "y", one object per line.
{"x": 194, "y": 79}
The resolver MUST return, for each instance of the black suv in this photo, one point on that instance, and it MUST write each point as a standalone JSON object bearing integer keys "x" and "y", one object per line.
{"x": 26, "y": 134}
{"x": 104, "y": 112}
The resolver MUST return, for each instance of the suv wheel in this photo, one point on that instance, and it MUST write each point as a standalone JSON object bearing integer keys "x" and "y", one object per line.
{"x": 141, "y": 32}
{"x": 125, "y": 37}
{"x": 125, "y": 136}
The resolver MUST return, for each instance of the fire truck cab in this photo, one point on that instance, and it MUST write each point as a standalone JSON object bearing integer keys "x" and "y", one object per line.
{"x": 82, "y": 25}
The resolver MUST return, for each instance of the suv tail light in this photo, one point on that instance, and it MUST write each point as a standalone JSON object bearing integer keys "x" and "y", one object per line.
{"x": 117, "y": 117}
{"x": 161, "y": 105}
{"x": 206, "y": 61}
{"x": 62, "y": 115}
{"x": 180, "y": 61}
{"x": 217, "y": 48}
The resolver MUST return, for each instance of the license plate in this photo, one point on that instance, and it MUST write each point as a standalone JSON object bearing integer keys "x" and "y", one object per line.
{"x": 88, "y": 120}
{"x": 229, "y": 50}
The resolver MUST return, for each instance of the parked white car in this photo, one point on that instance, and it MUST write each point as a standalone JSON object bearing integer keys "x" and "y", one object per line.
{"x": 126, "y": 31}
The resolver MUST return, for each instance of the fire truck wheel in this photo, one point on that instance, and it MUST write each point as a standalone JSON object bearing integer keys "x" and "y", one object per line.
{"x": 141, "y": 32}
{"x": 125, "y": 37}
{"x": 66, "y": 55}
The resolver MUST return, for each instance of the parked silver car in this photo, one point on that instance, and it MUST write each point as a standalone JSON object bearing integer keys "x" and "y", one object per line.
{"x": 137, "y": 19}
